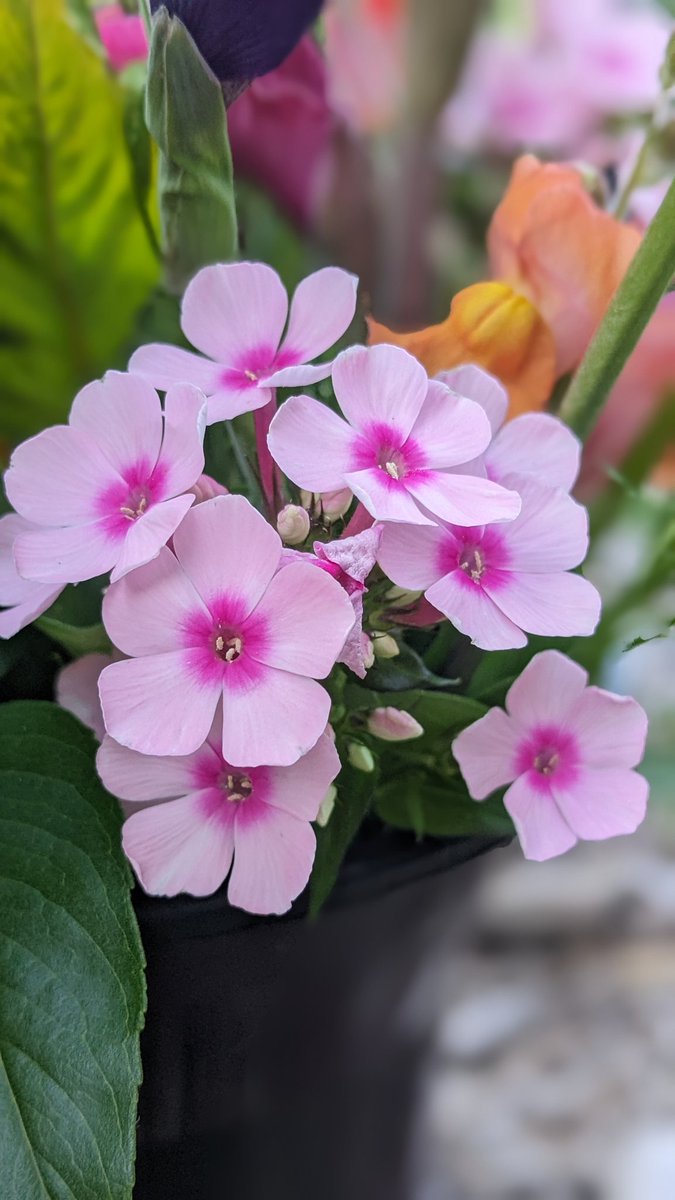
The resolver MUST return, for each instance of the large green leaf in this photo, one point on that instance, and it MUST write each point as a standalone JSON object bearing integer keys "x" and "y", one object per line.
{"x": 414, "y": 802}
{"x": 72, "y": 991}
{"x": 75, "y": 261}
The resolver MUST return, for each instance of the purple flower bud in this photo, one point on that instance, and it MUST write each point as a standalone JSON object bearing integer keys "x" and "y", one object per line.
{"x": 242, "y": 39}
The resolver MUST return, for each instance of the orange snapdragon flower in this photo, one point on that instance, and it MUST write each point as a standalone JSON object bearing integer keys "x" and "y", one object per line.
{"x": 558, "y": 259}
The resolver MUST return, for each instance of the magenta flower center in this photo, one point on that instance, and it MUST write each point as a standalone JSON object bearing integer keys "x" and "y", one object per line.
{"x": 135, "y": 503}
{"x": 227, "y": 645}
{"x": 471, "y": 560}
{"x": 547, "y": 761}
{"x": 393, "y": 462}
{"x": 549, "y": 751}
{"x": 237, "y": 786}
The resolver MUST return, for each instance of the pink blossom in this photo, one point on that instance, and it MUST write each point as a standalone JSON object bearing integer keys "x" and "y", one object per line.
{"x": 122, "y": 34}
{"x": 108, "y": 488}
{"x": 393, "y": 725}
{"x": 23, "y": 600}
{"x": 366, "y": 53}
{"x": 535, "y": 444}
{"x": 350, "y": 560}
{"x": 77, "y": 690}
{"x": 219, "y": 622}
{"x": 235, "y": 314}
{"x": 396, "y": 446}
{"x": 255, "y": 820}
{"x": 566, "y": 750}
{"x": 495, "y": 582}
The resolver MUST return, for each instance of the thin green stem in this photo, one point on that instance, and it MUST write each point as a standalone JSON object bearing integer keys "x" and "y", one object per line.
{"x": 635, "y": 300}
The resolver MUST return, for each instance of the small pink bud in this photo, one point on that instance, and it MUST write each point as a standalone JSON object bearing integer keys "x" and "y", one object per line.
{"x": 335, "y": 504}
{"x": 393, "y": 725}
{"x": 293, "y": 524}
{"x": 385, "y": 646}
{"x": 206, "y": 488}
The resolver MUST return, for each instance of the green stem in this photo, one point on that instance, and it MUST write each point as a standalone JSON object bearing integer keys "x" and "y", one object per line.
{"x": 637, "y": 296}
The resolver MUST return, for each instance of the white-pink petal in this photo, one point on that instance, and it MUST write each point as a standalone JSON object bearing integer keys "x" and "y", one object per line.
{"x": 303, "y": 375}
{"x": 379, "y": 385}
{"x": 232, "y": 308}
{"x": 230, "y": 400}
{"x": 536, "y": 444}
{"x": 551, "y": 532}
{"x": 547, "y": 691}
{"x": 140, "y": 778}
{"x": 146, "y": 611}
{"x": 602, "y": 804}
{"x": 301, "y": 788}
{"x": 611, "y": 730}
{"x": 176, "y": 847}
{"x": 473, "y": 613}
{"x": 486, "y": 753}
{"x": 68, "y": 555}
{"x": 149, "y": 533}
{"x": 311, "y": 444}
{"x": 465, "y": 500}
{"x": 158, "y": 705}
{"x": 542, "y": 830}
{"x": 478, "y": 385}
{"x": 384, "y": 498}
{"x": 308, "y": 616}
{"x": 181, "y": 458}
{"x": 76, "y": 690}
{"x": 163, "y": 366}
{"x": 225, "y": 545}
{"x": 411, "y": 556}
{"x": 273, "y": 858}
{"x": 275, "y": 721}
{"x": 450, "y": 429}
{"x": 555, "y": 605}
{"x": 322, "y": 310}
{"x": 53, "y": 478}
{"x": 122, "y": 414}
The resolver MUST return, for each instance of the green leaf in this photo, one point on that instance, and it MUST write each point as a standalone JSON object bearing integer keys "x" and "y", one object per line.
{"x": 412, "y": 802}
{"x": 441, "y": 714}
{"x": 354, "y": 794}
{"x": 74, "y": 619}
{"x": 75, "y": 263}
{"x": 406, "y": 670}
{"x": 72, "y": 993}
{"x": 185, "y": 113}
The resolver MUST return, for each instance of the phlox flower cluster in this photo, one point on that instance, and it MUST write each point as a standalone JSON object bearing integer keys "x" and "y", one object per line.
{"x": 213, "y": 709}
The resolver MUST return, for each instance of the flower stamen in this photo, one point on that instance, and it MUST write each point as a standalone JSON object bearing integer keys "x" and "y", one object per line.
{"x": 238, "y": 788}
{"x": 546, "y": 762}
{"x": 473, "y": 564}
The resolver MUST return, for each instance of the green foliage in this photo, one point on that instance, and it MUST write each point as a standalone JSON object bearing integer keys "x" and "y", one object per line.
{"x": 413, "y": 801}
{"x": 72, "y": 992}
{"x": 354, "y": 794}
{"x": 185, "y": 113}
{"x": 74, "y": 620}
{"x": 75, "y": 261}
{"x": 407, "y": 670}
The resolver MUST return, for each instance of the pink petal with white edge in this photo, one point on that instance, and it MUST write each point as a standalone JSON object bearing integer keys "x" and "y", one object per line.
{"x": 231, "y": 308}
{"x": 410, "y": 556}
{"x": 164, "y": 366}
{"x": 177, "y": 847}
{"x": 611, "y": 730}
{"x": 68, "y": 555}
{"x": 300, "y": 788}
{"x": 156, "y": 705}
{"x": 386, "y": 499}
{"x": 225, "y": 545}
{"x": 551, "y": 533}
{"x": 536, "y": 444}
{"x": 603, "y": 804}
{"x": 19, "y": 615}
{"x": 555, "y": 605}
{"x": 478, "y": 385}
{"x": 379, "y": 384}
{"x": 142, "y": 777}
{"x": 311, "y": 444}
{"x": 273, "y": 858}
{"x": 322, "y": 309}
{"x": 307, "y": 617}
{"x": 450, "y": 429}
{"x": 122, "y": 414}
{"x": 181, "y": 458}
{"x": 542, "y": 830}
{"x": 146, "y": 611}
{"x": 277, "y": 720}
{"x": 149, "y": 533}
{"x": 486, "y": 753}
{"x": 473, "y": 613}
{"x": 76, "y": 690}
{"x": 548, "y": 690}
{"x": 54, "y": 478}
{"x": 463, "y": 499}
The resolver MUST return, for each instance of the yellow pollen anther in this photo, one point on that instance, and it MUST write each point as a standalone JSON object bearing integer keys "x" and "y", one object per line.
{"x": 546, "y": 763}
{"x": 391, "y": 469}
{"x": 132, "y": 513}
{"x": 220, "y": 643}
{"x": 233, "y": 649}
{"x": 251, "y": 375}
{"x": 474, "y": 565}
{"x": 239, "y": 787}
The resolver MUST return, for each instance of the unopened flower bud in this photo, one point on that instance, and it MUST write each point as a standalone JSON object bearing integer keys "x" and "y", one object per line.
{"x": 385, "y": 646}
{"x": 327, "y": 806}
{"x": 368, "y": 652}
{"x": 206, "y": 488}
{"x": 399, "y": 597}
{"x": 360, "y": 758}
{"x": 335, "y": 504}
{"x": 393, "y": 725}
{"x": 293, "y": 524}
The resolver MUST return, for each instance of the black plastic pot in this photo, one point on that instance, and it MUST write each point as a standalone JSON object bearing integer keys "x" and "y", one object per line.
{"x": 275, "y": 1065}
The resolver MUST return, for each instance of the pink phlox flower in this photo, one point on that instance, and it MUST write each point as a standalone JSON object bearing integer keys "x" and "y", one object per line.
{"x": 350, "y": 560}
{"x": 217, "y": 623}
{"x": 497, "y": 582}
{"x": 22, "y": 600}
{"x": 535, "y": 444}
{"x": 396, "y": 445}
{"x": 235, "y": 314}
{"x": 109, "y": 488}
{"x": 122, "y": 34}
{"x": 566, "y": 750}
{"x": 252, "y": 823}
{"x": 76, "y": 689}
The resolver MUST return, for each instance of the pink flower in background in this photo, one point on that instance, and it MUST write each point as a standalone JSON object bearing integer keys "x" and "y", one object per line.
{"x": 282, "y": 132}
{"x": 22, "y": 600}
{"x": 397, "y": 446}
{"x": 366, "y": 53}
{"x": 216, "y": 622}
{"x": 76, "y": 690}
{"x": 108, "y": 489}
{"x": 235, "y": 313}
{"x": 496, "y": 582}
{"x": 566, "y": 750}
{"x": 255, "y": 820}
{"x": 123, "y": 36}
{"x": 535, "y": 444}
